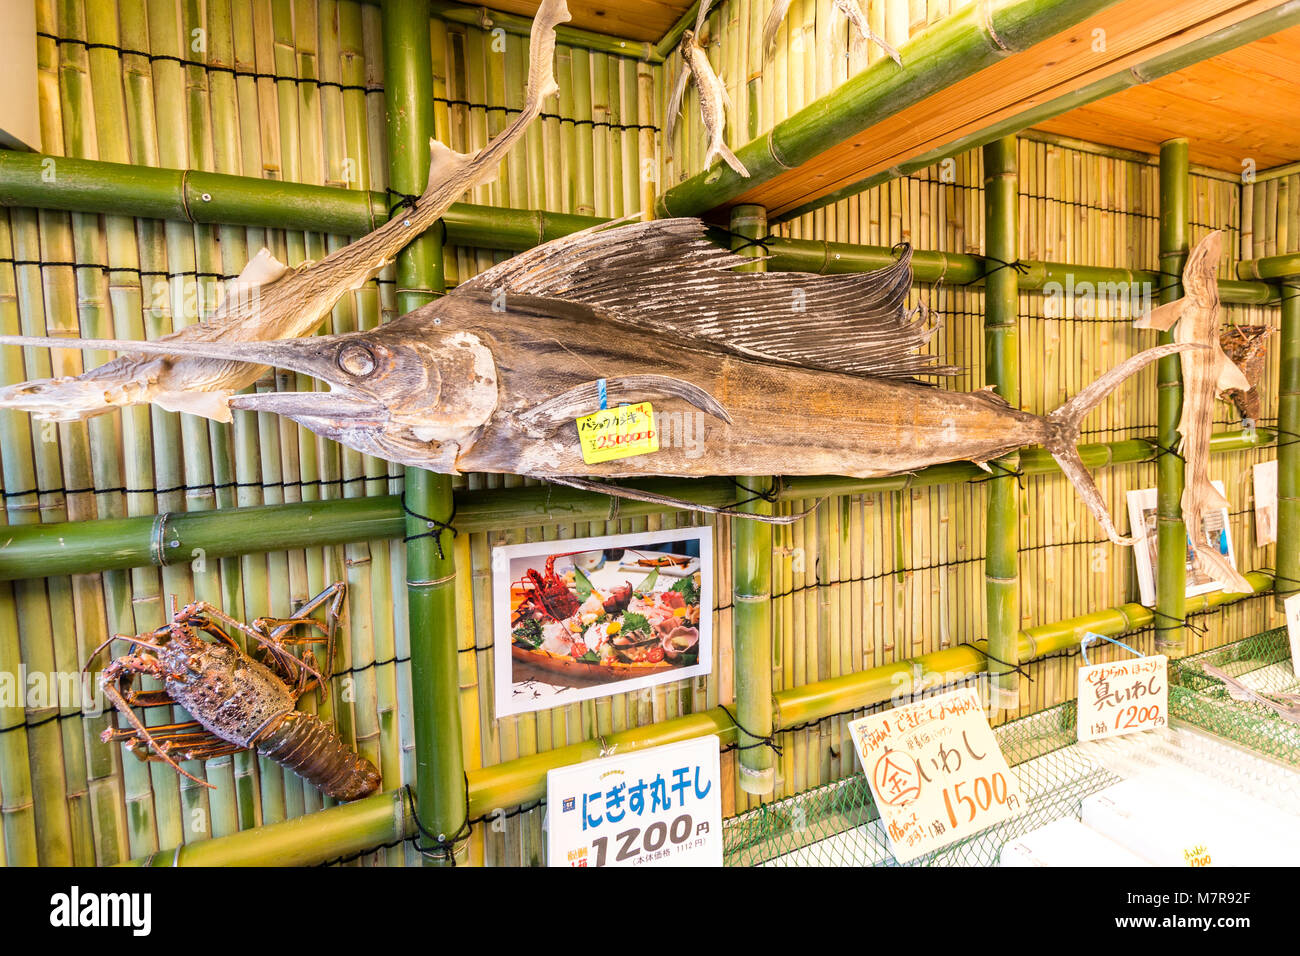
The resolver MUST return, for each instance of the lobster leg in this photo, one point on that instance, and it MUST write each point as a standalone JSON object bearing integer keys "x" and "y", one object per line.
{"x": 188, "y": 740}
{"x": 278, "y": 636}
{"x": 108, "y": 682}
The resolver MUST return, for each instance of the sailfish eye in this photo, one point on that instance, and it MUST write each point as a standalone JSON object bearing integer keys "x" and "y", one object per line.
{"x": 356, "y": 359}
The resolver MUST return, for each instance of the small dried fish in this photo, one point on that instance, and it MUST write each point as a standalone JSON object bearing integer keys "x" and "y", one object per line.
{"x": 773, "y": 373}
{"x": 715, "y": 103}
{"x": 270, "y": 301}
{"x": 1287, "y": 706}
{"x": 851, "y": 9}
{"x": 1206, "y": 372}
{"x": 858, "y": 17}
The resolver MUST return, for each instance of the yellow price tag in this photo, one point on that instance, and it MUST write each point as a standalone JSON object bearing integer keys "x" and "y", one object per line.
{"x": 618, "y": 433}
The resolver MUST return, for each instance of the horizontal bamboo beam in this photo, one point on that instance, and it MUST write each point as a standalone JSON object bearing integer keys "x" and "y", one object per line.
{"x": 1285, "y": 266}
{"x": 1194, "y": 51}
{"x": 107, "y": 544}
{"x": 382, "y": 818}
{"x": 84, "y": 185}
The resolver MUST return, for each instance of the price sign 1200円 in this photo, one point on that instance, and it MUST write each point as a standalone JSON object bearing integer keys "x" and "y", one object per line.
{"x": 656, "y": 807}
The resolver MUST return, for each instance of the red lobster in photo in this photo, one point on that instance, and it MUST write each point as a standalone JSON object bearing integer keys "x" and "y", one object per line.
{"x": 237, "y": 702}
{"x": 549, "y": 596}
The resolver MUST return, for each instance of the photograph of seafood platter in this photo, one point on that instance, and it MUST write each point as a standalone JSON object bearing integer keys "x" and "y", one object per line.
{"x": 762, "y": 434}
{"x": 621, "y": 614}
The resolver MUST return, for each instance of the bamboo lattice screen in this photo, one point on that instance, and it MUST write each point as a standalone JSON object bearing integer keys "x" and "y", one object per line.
{"x": 291, "y": 89}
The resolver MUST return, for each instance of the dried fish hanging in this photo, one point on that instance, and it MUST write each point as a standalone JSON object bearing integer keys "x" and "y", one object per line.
{"x": 852, "y": 11}
{"x": 1207, "y": 372}
{"x": 715, "y": 103}
{"x": 270, "y": 301}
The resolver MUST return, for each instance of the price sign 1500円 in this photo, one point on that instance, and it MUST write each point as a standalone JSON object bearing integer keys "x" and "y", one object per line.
{"x": 935, "y": 771}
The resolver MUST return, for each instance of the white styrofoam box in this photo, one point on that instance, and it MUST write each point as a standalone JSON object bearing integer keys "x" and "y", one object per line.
{"x": 1177, "y": 819}
{"x": 1067, "y": 843}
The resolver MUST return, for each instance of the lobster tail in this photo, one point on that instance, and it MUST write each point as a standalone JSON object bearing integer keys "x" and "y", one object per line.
{"x": 301, "y": 742}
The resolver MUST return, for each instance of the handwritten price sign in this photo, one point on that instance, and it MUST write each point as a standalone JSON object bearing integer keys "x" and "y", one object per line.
{"x": 935, "y": 771}
{"x": 1123, "y": 697}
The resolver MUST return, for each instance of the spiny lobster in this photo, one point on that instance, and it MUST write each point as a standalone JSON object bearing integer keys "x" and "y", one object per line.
{"x": 550, "y": 597}
{"x": 237, "y": 702}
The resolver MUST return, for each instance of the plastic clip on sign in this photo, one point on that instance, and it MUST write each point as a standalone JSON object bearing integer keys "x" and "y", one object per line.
{"x": 613, "y": 433}
{"x": 1091, "y": 638}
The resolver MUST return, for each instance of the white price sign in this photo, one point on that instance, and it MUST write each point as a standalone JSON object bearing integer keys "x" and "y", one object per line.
{"x": 1123, "y": 697}
{"x": 655, "y": 807}
{"x": 935, "y": 771}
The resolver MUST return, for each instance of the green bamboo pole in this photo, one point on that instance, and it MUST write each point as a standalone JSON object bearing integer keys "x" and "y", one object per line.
{"x": 1002, "y": 371}
{"x": 1288, "y": 453}
{"x": 380, "y": 818}
{"x": 430, "y": 567}
{"x": 1171, "y": 535}
{"x": 956, "y": 47}
{"x": 751, "y": 626}
{"x": 90, "y": 186}
{"x": 83, "y": 547}
{"x": 1246, "y": 31}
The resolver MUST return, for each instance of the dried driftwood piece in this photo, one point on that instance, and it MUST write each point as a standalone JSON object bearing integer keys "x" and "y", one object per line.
{"x": 751, "y": 373}
{"x": 1247, "y": 348}
{"x": 1207, "y": 372}
{"x": 271, "y": 301}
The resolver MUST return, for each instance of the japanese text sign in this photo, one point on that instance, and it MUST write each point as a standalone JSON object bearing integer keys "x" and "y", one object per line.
{"x": 618, "y": 433}
{"x": 935, "y": 771}
{"x": 1123, "y": 697}
{"x": 656, "y": 807}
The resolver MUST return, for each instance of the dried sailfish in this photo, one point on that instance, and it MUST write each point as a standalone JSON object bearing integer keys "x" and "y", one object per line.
{"x": 852, "y": 11}
{"x": 715, "y": 103}
{"x": 771, "y": 373}
{"x": 270, "y": 301}
{"x": 1285, "y": 705}
{"x": 1206, "y": 373}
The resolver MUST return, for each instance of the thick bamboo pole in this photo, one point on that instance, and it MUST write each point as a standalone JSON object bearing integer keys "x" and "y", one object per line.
{"x": 1288, "y": 453}
{"x": 148, "y": 192}
{"x": 1277, "y": 18}
{"x": 381, "y": 818}
{"x": 1002, "y": 370}
{"x": 751, "y": 626}
{"x": 1171, "y": 535}
{"x": 85, "y": 547}
{"x": 958, "y": 46}
{"x": 430, "y": 566}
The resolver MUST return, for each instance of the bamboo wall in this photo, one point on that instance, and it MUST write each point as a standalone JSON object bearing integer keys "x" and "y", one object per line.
{"x": 292, "y": 90}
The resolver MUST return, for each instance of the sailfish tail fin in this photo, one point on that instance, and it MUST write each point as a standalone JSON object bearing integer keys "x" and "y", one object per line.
{"x": 1064, "y": 438}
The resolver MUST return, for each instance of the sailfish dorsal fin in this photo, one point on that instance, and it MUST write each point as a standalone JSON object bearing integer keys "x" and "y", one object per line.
{"x": 665, "y": 277}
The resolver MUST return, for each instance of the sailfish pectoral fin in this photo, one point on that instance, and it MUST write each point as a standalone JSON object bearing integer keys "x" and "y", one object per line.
{"x": 1162, "y": 317}
{"x": 636, "y": 494}
{"x": 583, "y": 399}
